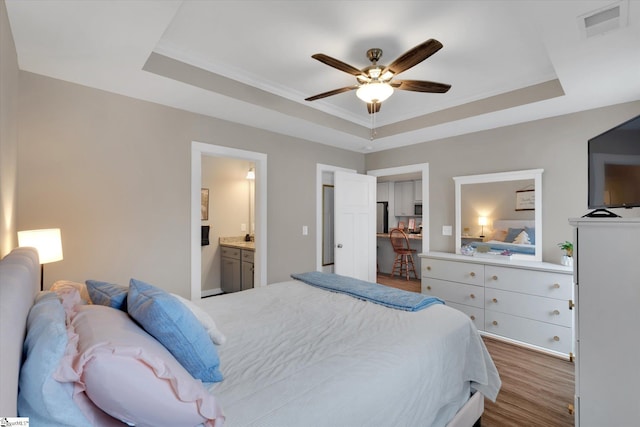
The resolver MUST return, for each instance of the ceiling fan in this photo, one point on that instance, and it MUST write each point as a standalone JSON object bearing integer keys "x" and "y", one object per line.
{"x": 376, "y": 82}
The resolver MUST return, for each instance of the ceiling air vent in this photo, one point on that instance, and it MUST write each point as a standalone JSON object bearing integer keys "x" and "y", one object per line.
{"x": 605, "y": 19}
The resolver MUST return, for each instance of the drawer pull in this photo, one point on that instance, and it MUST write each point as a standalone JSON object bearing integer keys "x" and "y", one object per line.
{"x": 473, "y": 317}
{"x": 556, "y": 313}
{"x": 428, "y": 288}
{"x": 472, "y": 296}
{"x": 494, "y": 277}
{"x": 556, "y": 338}
{"x": 571, "y": 409}
{"x": 556, "y": 285}
{"x": 472, "y": 274}
{"x": 428, "y": 268}
{"x": 494, "y": 323}
{"x": 571, "y": 304}
{"x": 495, "y": 300}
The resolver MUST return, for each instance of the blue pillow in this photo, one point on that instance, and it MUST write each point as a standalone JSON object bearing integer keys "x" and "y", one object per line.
{"x": 170, "y": 322}
{"x": 512, "y": 234}
{"x": 531, "y": 231}
{"x": 44, "y": 400}
{"x": 109, "y": 294}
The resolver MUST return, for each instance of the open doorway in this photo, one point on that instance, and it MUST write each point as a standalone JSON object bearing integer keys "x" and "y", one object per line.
{"x": 405, "y": 190}
{"x": 401, "y": 173}
{"x": 259, "y": 210}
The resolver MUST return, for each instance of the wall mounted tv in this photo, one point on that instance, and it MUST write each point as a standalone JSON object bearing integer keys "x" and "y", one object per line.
{"x": 614, "y": 167}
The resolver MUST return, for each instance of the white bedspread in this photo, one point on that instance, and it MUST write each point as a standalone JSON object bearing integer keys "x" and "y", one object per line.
{"x": 300, "y": 356}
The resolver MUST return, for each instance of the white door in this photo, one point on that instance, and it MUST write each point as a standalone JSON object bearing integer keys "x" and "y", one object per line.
{"x": 355, "y": 225}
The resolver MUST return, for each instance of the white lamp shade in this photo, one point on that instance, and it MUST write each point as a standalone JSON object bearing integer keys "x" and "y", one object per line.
{"x": 47, "y": 241}
{"x": 374, "y": 92}
{"x": 251, "y": 174}
{"x": 482, "y": 220}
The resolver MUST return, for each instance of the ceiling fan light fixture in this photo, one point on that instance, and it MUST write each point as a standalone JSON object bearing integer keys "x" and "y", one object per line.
{"x": 374, "y": 92}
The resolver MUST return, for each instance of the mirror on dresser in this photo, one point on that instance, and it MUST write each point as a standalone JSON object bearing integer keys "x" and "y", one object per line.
{"x": 493, "y": 210}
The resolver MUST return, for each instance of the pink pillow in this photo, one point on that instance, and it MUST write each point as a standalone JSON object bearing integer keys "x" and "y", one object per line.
{"x": 131, "y": 376}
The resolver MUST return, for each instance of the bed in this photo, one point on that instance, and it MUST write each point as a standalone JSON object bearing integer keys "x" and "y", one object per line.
{"x": 509, "y": 237}
{"x": 289, "y": 354}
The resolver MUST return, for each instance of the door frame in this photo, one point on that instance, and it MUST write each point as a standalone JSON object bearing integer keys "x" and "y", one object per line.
{"x": 199, "y": 149}
{"x": 421, "y": 168}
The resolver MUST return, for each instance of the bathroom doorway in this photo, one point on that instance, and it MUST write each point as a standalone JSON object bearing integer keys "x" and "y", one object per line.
{"x": 198, "y": 151}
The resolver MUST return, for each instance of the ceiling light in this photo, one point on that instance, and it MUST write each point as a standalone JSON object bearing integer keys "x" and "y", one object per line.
{"x": 374, "y": 92}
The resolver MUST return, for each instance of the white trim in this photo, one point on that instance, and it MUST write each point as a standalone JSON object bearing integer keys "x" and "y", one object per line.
{"x": 421, "y": 168}
{"x": 320, "y": 168}
{"x": 534, "y": 174}
{"x": 199, "y": 149}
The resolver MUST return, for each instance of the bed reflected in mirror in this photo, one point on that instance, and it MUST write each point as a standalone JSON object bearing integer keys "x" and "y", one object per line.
{"x": 500, "y": 215}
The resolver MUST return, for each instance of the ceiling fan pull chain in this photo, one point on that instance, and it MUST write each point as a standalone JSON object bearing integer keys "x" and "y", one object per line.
{"x": 373, "y": 124}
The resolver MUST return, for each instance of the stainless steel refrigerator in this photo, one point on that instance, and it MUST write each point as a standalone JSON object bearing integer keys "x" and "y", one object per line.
{"x": 382, "y": 217}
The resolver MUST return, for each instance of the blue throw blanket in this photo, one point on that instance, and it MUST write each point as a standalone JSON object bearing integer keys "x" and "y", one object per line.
{"x": 374, "y": 292}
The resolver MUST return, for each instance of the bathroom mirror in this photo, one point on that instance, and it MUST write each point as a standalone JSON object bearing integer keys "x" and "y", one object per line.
{"x": 500, "y": 212}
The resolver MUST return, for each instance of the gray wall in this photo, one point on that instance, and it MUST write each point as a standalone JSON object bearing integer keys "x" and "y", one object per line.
{"x": 8, "y": 135}
{"x": 114, "y": 174}
{"x": 558, "y": 145}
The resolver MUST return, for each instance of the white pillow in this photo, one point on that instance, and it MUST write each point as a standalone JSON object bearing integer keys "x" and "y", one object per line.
{"x": 522, "y": 238}
{"x": 205, "y": 320}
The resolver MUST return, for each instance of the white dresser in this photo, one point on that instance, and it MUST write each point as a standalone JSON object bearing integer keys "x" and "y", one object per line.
{"x": 529, "y": 303}
{"x": 607, "y": 279}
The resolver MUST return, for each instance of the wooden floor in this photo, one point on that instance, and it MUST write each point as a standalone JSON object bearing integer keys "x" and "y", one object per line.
{"x": 536, "y": 387}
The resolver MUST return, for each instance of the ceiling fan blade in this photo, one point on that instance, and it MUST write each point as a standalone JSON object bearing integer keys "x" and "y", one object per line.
{"x": 421, "y": 86}
{"x": 331, "y": 92}
{"x": 413, "y": 56}
{"x": 374, "y": 107}
{"x": 335, "y": 63}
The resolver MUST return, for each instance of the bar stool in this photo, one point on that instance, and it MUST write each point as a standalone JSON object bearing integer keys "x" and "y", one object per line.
{"x": 404, "y": 254}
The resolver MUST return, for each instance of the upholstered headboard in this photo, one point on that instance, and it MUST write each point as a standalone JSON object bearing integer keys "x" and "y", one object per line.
{"x": 503, "y": 224}
{"x": 19, "y": 284}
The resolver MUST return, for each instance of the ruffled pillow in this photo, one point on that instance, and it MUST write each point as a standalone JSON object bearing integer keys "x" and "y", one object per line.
{"x": 41, "y": 398}
{"x": 66, "y": 286}
{"x": 131, "y": 376}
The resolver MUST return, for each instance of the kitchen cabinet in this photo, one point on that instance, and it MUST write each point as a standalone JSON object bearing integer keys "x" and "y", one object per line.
{"x": 530, "y": 303}
{"x": 417, "y": 190}
{"x": 237, "y": 269}
{"x": 403, "y": 198}
{"x": 382, "y": 192}
{"x": 607, "y": 348}
{"x": 247, "y": 269}
{"x": 231, "y": 272}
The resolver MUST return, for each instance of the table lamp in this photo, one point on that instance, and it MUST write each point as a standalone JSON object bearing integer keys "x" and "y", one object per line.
{"x": 482, "y": 221}
{"x": 47, "y": 242}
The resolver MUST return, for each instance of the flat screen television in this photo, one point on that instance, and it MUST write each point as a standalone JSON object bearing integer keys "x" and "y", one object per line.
{"x": 614, "y": 167}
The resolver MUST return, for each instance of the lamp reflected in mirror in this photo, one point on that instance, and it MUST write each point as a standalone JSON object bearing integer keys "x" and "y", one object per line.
{"x": 482, "y": 221}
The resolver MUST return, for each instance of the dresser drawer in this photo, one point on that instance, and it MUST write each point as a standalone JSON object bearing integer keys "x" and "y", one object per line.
{"x": 529, "y": 306}
{"x": 545, "y": 335}
{"x": 453, "y": 271}
{"x": 230, "y": 252}
{"x": 454, "y": 292}
{"x": 542, "y": 283}
{"x": 475, "y": 314}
